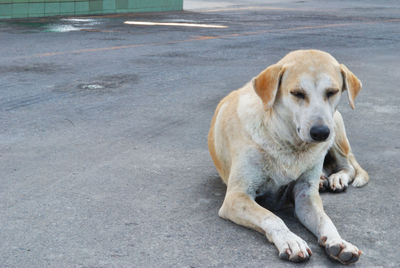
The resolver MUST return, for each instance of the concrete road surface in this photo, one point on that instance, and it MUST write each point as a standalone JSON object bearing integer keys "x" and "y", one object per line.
{"x": 103, "y": 125}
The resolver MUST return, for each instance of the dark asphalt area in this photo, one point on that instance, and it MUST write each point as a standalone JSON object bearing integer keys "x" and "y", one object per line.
{"x": 103, "y": 133}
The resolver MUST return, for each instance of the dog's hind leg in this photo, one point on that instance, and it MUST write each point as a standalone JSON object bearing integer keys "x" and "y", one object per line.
{"x": 340, "y": 166}
{"x": 362, "y": 176}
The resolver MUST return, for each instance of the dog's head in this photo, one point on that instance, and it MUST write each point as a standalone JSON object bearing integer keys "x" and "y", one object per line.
{"x": 304, "y": 89}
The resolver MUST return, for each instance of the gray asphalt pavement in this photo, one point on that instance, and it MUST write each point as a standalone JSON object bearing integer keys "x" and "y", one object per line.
{"x": 103, "y": 125}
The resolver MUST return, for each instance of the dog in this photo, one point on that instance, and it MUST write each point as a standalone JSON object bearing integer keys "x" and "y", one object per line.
{"x": 281, "y": 138}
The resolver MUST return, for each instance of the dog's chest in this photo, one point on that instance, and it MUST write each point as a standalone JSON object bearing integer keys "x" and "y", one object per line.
{"x": 279, "y": 174}
{"x": 288, "y": 165}
{"x": 283, "y": 167}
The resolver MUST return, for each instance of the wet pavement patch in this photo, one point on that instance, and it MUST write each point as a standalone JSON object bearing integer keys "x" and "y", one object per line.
{"x": 90, "y": 86}
{"x": 174, "y": 24}
{"x": 58, "y": 25}
{"x": 174, "y": 54}
{"x": 71, "y": 24}
{"x": 106, "y": 83}
{"x": 37, "y": 68}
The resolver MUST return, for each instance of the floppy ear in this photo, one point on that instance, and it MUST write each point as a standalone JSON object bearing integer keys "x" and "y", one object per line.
{"x": 267, "y": 83}
{"x": 350, "y": 83}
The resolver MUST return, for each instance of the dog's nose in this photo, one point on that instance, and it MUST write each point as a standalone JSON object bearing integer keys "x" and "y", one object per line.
{"x": 319, "y": 133}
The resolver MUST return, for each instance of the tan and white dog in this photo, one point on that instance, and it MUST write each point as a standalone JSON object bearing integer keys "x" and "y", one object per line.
{"x": 280, "y": 137}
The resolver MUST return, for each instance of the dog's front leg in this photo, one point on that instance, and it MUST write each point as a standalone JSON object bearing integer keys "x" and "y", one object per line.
{"x": 239, "y": 206}
{"x": 309, "y": 210}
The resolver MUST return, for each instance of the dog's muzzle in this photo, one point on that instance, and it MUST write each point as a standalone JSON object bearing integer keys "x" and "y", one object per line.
{"x": 319, "y": 133}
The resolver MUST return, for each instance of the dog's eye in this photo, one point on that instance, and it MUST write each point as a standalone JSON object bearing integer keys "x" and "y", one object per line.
{"x": 298, "y": 94}
{"x": 331, "y": 93}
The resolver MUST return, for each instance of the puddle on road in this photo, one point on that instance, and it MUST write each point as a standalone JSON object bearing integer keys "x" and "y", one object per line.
{"x": 61, "y": 28}
{"x": 108, "y": 83}
{"x": 90, "y": 86}
{"x": 71, "y": 24}
{"x": 93, "y": 21}
{"x": 57, "y": 25}
{"x": 174, "y": 24}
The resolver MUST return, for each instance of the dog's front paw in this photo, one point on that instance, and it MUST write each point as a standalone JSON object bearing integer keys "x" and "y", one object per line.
{"x": 338, "y": 182}
{"x": 291, "y": 247}
{"x": 323, "y": 183}
{"x": 361, "y": 179}
{"x": 341, "y": 250}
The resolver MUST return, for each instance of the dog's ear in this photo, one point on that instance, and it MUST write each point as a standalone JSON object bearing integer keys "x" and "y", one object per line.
{"x": 350, "y": 83}
{"x": 267, "y": 83}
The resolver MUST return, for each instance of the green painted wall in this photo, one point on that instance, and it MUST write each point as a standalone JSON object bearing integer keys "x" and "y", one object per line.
{"x": 40, "y": 8}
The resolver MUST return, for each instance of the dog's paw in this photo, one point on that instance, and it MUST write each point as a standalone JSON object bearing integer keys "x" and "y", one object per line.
{"x": 323, "y": 183}
{"x": 341, "y": 250}
{"x": 338, "y": 182}
{"x": 361, "y": 179}
{"x": 291, "y": 247}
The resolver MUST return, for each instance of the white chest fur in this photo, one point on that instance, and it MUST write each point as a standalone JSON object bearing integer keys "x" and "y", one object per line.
{"x": 280, "y": 161}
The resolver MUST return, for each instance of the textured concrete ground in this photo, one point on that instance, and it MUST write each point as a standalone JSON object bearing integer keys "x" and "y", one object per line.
{"x": 103, "y": 155}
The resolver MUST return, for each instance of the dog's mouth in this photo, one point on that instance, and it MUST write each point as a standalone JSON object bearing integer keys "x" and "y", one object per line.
{"x": 302, "y": 139}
